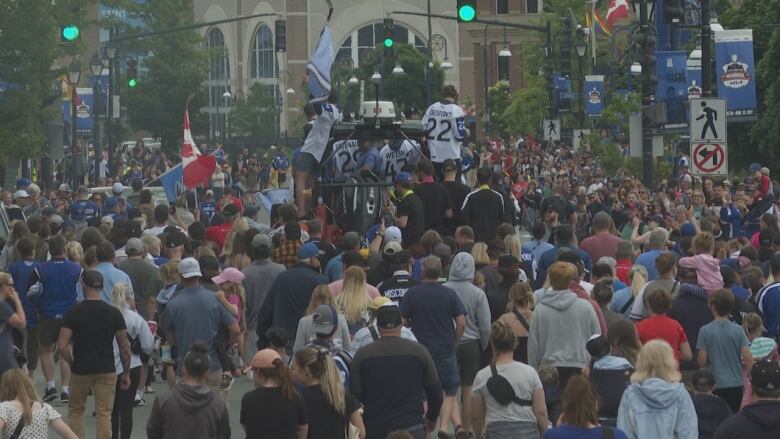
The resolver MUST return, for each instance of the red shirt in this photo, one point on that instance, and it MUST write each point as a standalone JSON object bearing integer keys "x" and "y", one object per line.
{"x": 218, "y": 234}
{"x": 621, "y": 270}
{"x": 663, "y": 328}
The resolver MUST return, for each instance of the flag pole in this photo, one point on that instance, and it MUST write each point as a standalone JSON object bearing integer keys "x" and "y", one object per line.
{"x": 593, "y": 33}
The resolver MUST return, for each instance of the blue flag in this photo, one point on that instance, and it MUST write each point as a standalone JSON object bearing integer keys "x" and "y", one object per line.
{"x": 736, "y": 73}
{"x": 173, "y": 183}
{"x": 594, "y": 95}
{"x": 319, "y": 66}
{"x": 672, "y": 87}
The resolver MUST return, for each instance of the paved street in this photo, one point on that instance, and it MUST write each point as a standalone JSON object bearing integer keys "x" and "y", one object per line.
{"x": 141, "y": 414}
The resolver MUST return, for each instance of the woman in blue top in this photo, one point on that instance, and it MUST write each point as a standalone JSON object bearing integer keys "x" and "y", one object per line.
{"x": 580, "y": 412}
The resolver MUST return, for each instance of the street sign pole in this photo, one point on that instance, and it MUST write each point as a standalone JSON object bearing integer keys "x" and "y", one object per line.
{"x": 709, "y": 149}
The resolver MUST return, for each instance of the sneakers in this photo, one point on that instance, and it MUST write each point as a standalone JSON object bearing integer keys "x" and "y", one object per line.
{"x": 149, "y": 389}
{"x": 50, "y": 395}
{"x": 64, "y": 396}
{"x": 139, "y": 402}
{"x": 227, "y": 382}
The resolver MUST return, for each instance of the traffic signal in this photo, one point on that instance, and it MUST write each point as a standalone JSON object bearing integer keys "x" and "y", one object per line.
{"x": 69, "y": 33}
{"x": 280, "y": 32}
{"x": 132, "y": 73}
{"x": 647, "y": 59}
{"x": 673, "y": 11}
{"x": 566, "y": 44}
{"x": 388, "y": 40}
{"x": 467, "y": 11}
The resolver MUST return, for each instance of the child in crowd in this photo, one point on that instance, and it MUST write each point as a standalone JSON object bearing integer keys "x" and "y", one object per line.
{"x": 601, "y": 357}
{"x": 711, "y": 410}
{"x": 277, "y": 340}
{"x": 760, "y": 347}
{"x": 553, "y": 395}
{"x": 169, "y": 274}
{"x": 659, "y": 326}
{"x": 231, "y": 295}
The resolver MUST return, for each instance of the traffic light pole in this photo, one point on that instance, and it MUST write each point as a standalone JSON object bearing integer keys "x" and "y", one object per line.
{"x": 706, "y": 49}
{"x": 646, "y": 106}
{"x": 187, "y": 27}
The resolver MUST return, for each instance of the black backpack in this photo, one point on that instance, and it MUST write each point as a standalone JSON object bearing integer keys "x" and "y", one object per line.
{"x": 502, "y": 391}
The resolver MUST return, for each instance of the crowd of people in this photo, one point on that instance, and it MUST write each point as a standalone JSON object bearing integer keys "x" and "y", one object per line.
{"x": 516, "y": 291}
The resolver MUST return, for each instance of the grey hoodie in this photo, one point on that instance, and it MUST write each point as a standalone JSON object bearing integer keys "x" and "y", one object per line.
{"x": 656, "y": 408}
{"x": 474, "y": 300}
{"x": 560, "y": 328}
{"x": 191, "y": 412}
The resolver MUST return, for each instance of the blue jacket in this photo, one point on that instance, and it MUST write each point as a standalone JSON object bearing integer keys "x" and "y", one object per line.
{"x": 732, "y": 215}
{"x": 768, "y": 301}
{"x": 656, "y": 408}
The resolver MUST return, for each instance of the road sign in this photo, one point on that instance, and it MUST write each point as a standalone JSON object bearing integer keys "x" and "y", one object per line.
{"x": 709, "y": 159}
{"x": 551, "y": 129}
{"x": 708, "y": 120}
{"x": 579, "y": 138}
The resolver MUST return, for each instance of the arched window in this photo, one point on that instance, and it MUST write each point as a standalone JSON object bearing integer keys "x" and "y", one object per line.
{"x": 262, "y": 56}
{"x": 368, "y": 37}
{"x": 219, "y": 78}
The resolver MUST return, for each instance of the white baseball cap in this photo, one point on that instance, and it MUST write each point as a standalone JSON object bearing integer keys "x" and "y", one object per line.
{"x": 117, "y": 188}
{"x": 21, "y": 193}
{"x": 393, "y": 233}
{"x": 189, "y": 267}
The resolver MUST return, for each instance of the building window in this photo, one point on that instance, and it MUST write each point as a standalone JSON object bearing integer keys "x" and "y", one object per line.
{"x": 532, "y": 6}
{"x": 219, "y": 78}
{"x": 370, "y": 36}
{"x": 502, "y": 7}
{"x": 503, "y": 68}
{"x": 263, "y": 60}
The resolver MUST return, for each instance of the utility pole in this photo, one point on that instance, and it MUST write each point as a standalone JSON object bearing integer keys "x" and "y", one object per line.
{"x": 706, "y": 49}
{"x": 649, "y": 79}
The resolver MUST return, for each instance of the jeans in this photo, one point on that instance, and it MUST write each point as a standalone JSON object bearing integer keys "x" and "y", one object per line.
{"x": 103, "y": 385}
{"x": 124, "y": 400}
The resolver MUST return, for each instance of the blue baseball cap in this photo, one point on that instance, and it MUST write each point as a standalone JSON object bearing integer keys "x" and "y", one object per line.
{"x": 752, "y": 169}
{"x": 403, "y": 177}
{"x": 308, "y": 250}
{"x": 111, "y": 203}
{"x": 688, "y": 229}
{"x": 23, "y": 183}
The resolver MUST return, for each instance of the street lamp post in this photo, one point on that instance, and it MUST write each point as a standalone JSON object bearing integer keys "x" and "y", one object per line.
{"x": 581, "y": 47}
{"x": 111, "y": 52}
{"x": 96, "y": 68}
{"x": 485, "y": 80}
{"x": 73, "y": 77}
{"x": 439, "y": 41}
{"x": 226, "y": 96}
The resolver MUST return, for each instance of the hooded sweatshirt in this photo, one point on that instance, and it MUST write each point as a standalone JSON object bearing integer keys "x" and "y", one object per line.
{"x": 560, "y": 328}
{"x": 754, "y": 421}
{"x": 656, "y": 409}
{"x": 191, "y": 412}
{"x": 707, "y": 271}
{"x": 474, "y": 300}
{"x": 711, "y": 411}
{"x": 691, "y": 310}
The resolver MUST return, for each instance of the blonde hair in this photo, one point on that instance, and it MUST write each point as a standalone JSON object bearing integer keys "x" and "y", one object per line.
{"x": 656, "y": 360}
{"x": 239, "y": 225}
{"x": 152, "y": 244}
{"x": 638, "y": 277}
{"x": 752, "y": 322}
{"x": 169, "y": 272}
{"x": 479, "y": 253}
{"x": 120, "y": 296}
{"x": 16, "y": 385}
{"x": 704, "y": 242}
{"x": 320, "y": 296}
{"x": 513, "y": 246}
{"x": 74, "y": 251}
{"x": 519, "y": 295}
{"x": 321, "y": 366}
{"x": 353, "y": 300}
{"x": 204, "y": 250}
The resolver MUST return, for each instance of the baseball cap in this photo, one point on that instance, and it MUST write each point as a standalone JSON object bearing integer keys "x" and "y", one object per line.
{"x": 65, "y": 187}
{"x": 229, "y": 274}
{"x": 209, "y": 192}
{"x": 107, "y": 219}
{"x": 325, "y": 319}
{"x": 230, "y": 210}
{"x": 189, "y": 267}
{"x": 753, "y": 168}
{"x": 175, "y": 239}
{"x": 765, "y": 375}
{"x": 92, "y": 279}
{"x": 403, "y": 177}
{"x": 209, "y": 266}
{"x": 391, "y": 248}
{"x": 388, "y": 316}
{"x": 251, "y": 210}
{"x": 134, "y": 246}
{"x": 21, "y": 193}
{"x": 23, "y": 182}
{"x": 597, "y": 346}
{"x": 308, "y": 250}
{"x": 265, "y": 359}
{"x": 379, "y": 302}
{"x": 393, "y": 233}
{"x": 117, "y": 188}
{"x": 111, "y": 203}
{"x": 688, "y": 229}
{"x": 449, "y": 165}
{"x": 82, "y": 189}
{"x": 442, "y": 251}
{"x": 260, "y": 240}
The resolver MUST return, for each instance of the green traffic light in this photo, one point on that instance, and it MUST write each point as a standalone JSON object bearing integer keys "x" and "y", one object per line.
{"x": 132, "y": 82}
{"x": 388, "y": 42}
{"x": 70, "y": 32}
{"x": 467, "y": 13}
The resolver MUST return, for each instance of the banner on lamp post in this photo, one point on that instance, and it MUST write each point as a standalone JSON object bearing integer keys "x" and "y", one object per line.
{"x": 672, "y": 87}
{"x": 735, "y": 70}
{"x": 594, "y": 95}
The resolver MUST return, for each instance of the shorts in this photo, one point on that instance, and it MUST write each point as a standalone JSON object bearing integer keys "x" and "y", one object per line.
{"x": 48, "y": 330}
{"x": 468, "y": 355}
{"x": 306, "y": 163}
{"x": 30, "y": 346}
{"x": 447, "y": 369}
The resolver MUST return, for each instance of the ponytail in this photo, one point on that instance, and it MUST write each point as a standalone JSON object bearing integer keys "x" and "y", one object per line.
{"x": 285, "y": 379}
{"x": 322, "y": 367}
{"x": 638, "y": 275}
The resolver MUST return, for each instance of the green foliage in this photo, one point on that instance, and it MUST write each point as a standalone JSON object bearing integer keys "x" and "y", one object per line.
{"x": 176, "y": 71}
{"x": 527, "y": 108}
{"x": 499, "y": 98}
{"x": 766, "y": 132}
{"x": 256, "y": 115}
{"x": 29, "y": 37}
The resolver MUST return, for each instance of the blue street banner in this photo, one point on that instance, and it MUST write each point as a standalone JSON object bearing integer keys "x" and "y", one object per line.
{"x": 693, "y": 78}
{"x": 735, "y": 70}
{"x": 173, "y": 182}
{"x": 594, "y": 95}
{"x": 563, "y": 94}
{"x": 672, "y": 87}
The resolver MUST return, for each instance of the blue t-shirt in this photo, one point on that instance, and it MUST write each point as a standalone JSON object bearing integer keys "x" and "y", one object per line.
{"x": 84, "y": 210}
{"x": 647, "y": 260}
{"x": 431, "y": 308}
{"x": 723, "y": 341}
{"x": 207, "y": 209}
{"x": 371, "y": 160}
{"x": 573, "y": 432}
{"x": 21, "y": 271}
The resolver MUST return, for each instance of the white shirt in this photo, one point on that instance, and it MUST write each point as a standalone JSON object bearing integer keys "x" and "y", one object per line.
{"x": 346, "y": 157}
{"x": 363, "y": 337}
{"x": 319, "y": 135}
{"x": 136, "y": 328}
{"x": 445, "y": 127}
{"x": 392, "y": 160}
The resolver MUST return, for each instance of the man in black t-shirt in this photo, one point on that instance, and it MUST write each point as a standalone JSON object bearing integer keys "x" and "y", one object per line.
{"x": 92, "y": 325}
{"x": 410, "y": 212}
{"x": 435, "y": 198}
{"x": 457, "y": 192}
{"x": 483, "y": 209}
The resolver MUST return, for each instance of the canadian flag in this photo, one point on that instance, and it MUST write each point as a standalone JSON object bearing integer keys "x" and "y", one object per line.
{"x": 197, "y": 168}
{"x": 617, "y": 9}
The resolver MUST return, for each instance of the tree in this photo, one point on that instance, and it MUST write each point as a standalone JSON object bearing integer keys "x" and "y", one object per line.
{"x": 527, "y": 108}
{"x": 766, "y": 132}
{"x": 256, "y": 115}
{"x": 29, "y": 36}
{"x": 499, "y": 97}
{"x": 175, "y": 71}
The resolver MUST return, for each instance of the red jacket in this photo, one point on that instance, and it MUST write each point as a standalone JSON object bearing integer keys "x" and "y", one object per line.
{"x": 577, "y": 289}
